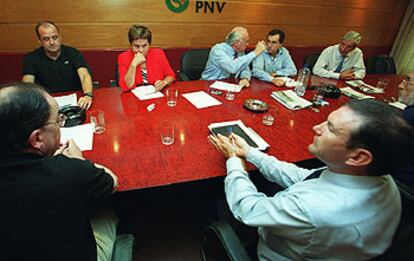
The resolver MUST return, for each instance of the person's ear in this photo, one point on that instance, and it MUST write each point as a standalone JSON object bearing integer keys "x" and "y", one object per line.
{"x": 35, "y": 140}
{"x": 359, "y": 157}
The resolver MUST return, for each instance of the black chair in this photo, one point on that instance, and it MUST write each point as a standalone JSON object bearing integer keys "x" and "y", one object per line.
{"x": 193, "y": 63}
{"x": 381, "y": 64}
{"x": 115, "y": 83}
{"x": 221, "y": 243}
{"x": 123, "y": 248}
{"x": 310, "y": 60}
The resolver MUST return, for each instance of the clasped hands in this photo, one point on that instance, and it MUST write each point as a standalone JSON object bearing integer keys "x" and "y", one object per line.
{"x": 231, "y": 146}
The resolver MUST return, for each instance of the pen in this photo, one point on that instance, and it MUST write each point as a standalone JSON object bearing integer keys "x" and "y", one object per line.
{"x": 230, "y": 130}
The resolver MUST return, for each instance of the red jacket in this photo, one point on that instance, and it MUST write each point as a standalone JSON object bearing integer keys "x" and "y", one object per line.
{"x": 158, "y": 67}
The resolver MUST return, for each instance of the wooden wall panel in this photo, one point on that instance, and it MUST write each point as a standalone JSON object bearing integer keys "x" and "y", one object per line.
{"x": 90, "y": 24}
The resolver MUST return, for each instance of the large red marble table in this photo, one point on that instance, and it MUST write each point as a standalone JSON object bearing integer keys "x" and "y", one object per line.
{"x": 132, "y": 148}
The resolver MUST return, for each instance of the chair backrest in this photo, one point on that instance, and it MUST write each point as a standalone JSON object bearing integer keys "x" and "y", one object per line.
{"x": 310, "y": 60}
{"x": 381, "y": 64}
{"x": 193, "y": 63}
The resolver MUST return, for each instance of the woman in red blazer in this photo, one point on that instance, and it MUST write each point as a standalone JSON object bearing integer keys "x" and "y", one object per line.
{"x": 142, "y": 65}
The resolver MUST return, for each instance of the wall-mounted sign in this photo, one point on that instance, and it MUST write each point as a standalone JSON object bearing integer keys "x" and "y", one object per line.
{"x": 178, "y": 6}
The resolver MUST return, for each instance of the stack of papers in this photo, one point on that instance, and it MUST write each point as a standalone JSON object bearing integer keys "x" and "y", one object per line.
{"x": 146, "y": 92}
{"x": 224, "y": 86}
{"x": 290, "y": 100}
{"x": 201, "y": 99}
{"x": 70, "y": 99}
{"x": 347, "y": 91}
{"x": 398, "y": 105}
{"x": 82, "y": 135}
{"x": 364, "y": 87}
{"x": 238, "y": 127}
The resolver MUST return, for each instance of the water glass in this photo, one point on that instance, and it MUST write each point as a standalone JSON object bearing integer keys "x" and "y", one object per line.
{"x": 167, "y": 133}
{"x": 172, "y": 95}
{"x": 98, "y": 119}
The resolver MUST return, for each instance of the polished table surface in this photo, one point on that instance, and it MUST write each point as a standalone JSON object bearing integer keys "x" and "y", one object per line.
{"x": 132, "y": 148}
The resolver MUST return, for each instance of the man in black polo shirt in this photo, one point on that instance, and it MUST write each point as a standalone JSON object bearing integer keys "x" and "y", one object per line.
{"x": 51, "y": 198}
{"x": 57, "y": 67}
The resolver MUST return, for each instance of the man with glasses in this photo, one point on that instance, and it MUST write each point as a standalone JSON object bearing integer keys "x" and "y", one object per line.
{"x": 52, "y": 199}
{"x": 57, "y": 67}
{"x": 228, "y": 60}
{"x": 343, "y": 60}
{"x": 275, "y": 61}
{"x": 406, "y": 96}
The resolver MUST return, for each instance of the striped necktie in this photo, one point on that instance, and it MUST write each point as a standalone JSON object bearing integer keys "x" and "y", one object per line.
{"x": 316, "y": 174}
{"x": 341, "y": 63}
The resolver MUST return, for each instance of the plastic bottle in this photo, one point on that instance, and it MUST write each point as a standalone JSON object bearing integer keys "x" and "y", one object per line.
{"x": 302, "y": 80}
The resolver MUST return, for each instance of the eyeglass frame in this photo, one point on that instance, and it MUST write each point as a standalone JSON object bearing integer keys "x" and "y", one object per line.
{"x": 60, "y": 121}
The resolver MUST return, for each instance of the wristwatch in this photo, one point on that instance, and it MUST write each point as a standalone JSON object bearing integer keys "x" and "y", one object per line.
{"x": 89, "y": 94}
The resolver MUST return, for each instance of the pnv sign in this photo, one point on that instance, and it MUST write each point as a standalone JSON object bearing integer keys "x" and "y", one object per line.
{"x": 178, "y": 6}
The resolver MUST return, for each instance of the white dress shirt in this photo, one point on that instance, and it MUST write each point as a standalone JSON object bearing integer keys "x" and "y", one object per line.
{"x": 333, "y": 217}
{"x": 330, "y": 58}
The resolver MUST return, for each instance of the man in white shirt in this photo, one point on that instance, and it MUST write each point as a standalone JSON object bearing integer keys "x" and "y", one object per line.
{"x": 347, "y": 211}
{"x": 343, "y": 60}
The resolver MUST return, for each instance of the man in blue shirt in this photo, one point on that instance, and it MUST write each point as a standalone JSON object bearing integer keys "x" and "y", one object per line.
{"x": 275, "y": 61}
{"x": 334, "y": 212}
{"x": 227, "y": 60}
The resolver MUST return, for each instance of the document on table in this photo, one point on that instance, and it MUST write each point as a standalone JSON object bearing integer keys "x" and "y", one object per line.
{"x": 146, "y": 92}
{"x": 290, "y": 100}
{"x": 359, "y": 84}
{"x": 70, "y": 99}
{"x": 224, "y": 86}
{"x": 201, "y": 99}
{"x": 347, "y": 91}
{"x": 81, "y": 134}
{"x": 398, "y": 105}
{"x": 238, "y": 127}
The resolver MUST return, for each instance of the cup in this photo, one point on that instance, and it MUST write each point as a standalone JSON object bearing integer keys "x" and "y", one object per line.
{"x": 318, "y": 95}
{"x": 98, "y": 119}
{"x": 172, "y": 95}
{"x": 269, "y": 117}
{"x": 167, "y": 133}
{"x": 383, "y": 83}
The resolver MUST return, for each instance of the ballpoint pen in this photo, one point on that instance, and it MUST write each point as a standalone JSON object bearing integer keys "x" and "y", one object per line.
{"x": 230, "y": 130}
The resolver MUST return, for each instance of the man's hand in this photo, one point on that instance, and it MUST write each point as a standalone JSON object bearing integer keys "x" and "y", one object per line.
{"x": 230, "y": 146}
{"x": 139, "y": 58}
{"x": 159, "y": 85}
{"x": 260, "y": 47}
{"x": 347, "y": 75}
{"x": 70, "y": 150}
{"x": 85, "y": 102}
{"x": 278, "y": 82}
{"x": 244, "y": 83}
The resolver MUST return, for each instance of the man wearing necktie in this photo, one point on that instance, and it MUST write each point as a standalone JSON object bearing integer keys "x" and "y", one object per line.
{"x": 228, "y": 60}
{"x": 343, "y": 60}
{"x": 336, "y": 212}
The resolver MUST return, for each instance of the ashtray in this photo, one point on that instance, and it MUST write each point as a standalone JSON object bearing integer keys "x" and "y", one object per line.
{"x": 255, "y": 105}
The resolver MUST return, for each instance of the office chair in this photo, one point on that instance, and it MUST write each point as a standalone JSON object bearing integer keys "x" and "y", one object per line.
{"x": 310, "y": 60}
{"x": 123, "y": 248}
{"x": 381, "y": 64}
{"x": 193, "y": 63}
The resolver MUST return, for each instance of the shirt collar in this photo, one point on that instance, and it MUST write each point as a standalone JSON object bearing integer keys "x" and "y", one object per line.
{"x": 352, "y": 181}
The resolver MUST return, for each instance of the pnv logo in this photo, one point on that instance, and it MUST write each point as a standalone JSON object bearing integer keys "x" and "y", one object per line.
{"x": 177, "y": 6}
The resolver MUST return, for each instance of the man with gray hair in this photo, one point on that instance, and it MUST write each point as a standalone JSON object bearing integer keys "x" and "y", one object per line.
{"x": 343, "y": 60}
{"x": 227, "y": 60}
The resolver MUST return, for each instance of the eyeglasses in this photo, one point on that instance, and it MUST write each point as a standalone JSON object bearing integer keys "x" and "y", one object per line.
{"x": 60, "y": 121}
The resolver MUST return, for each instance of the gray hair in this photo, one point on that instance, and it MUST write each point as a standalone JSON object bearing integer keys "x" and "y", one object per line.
{"x": 232, "y": 37}
{"x": 353, "y": 36}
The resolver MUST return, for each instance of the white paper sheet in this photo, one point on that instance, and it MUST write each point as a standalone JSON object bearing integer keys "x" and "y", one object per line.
{"x": 81, "y": 134}
{"x": 201, "y": 99}
{"x": 70, "y": 99}
{"x": 398, "y": 105}
{"x": 146, "y": 92}
{"x": 224, "y": 86}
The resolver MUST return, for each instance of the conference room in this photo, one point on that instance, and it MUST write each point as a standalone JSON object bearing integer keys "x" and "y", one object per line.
{"x": 155, "y": 132}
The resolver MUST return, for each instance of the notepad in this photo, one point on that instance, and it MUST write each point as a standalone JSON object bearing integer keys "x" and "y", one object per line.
{"x": 64, "y": 100}
{"x": 290, "y": 100}
{"x": 364, "y": 87}
{"x": 146, "y": 92}
{"x": 224, "y": 86}
{"x": 201, "y": 99}
{"x": 347, "y": 91}
{"x": 238, "y": 127}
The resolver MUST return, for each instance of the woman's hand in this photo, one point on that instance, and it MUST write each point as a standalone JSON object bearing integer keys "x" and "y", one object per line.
{"x": 139, "y": 58}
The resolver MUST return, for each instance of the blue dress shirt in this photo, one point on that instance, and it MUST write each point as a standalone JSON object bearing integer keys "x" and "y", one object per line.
{"x": 265, "y": 64}
{"x": 333, "y": 217}
{"x": 221, "y": 63}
